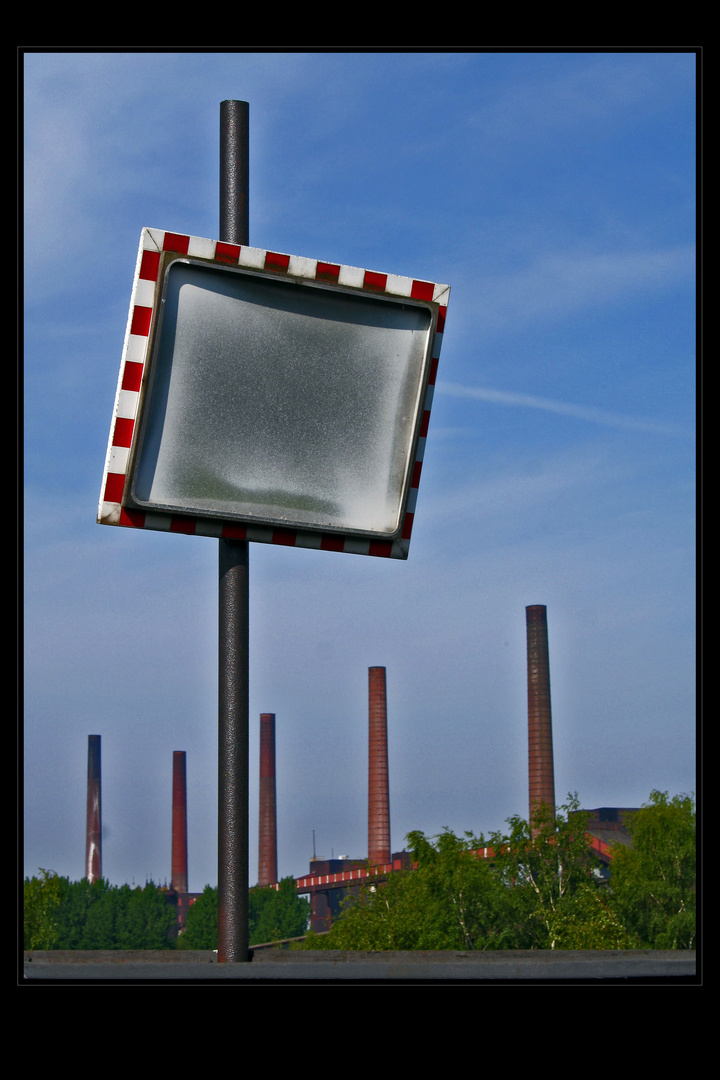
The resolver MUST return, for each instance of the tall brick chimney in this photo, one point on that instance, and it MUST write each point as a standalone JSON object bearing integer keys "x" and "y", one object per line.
{"x": 378, "y": 784}
{"x": 93, "y": 827}
{"x": 179, "y": 823}
{"x": 540, "y": 743}
{"x": 267, "y": 851}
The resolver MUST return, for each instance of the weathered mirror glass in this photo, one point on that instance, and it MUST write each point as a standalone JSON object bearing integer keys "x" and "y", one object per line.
{"x": 281, "y": 401}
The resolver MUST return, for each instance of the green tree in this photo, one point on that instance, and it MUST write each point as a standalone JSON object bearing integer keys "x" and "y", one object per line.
{"x": 144, "y": 918}
{"x": 453, "y": 899}
{"x": 63, "y": 914}
{"x": 273, "y": 915}
{"x": 653, "y": 882}
{"x": 201, "y": 923}
{"x": 277, "y": 914}
{"x": 554, "y": 896}
{"x": 587, "y": 920}
{"x": 535, "y": 890}
{"x": 99, "y": 930}
{"x": 42, "y": 898}
{"x": 57, "y": 910}
{"x": 77, "y": 899}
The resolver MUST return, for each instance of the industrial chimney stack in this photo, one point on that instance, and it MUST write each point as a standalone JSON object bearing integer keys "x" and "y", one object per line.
{"x": 378, "y": 785}
{"x": 179, "y": 824}
{"x": 540, "y": 744}
{"x": 267, "y": 853}
{"x": 93, "y": 829}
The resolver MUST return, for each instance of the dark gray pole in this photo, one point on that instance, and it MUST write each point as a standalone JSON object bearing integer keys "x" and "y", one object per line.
{"x": 233, "y": 613}
{"x": 234, "y": 172}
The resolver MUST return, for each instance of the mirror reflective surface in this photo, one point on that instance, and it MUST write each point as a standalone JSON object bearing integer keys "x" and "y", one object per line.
{"x": 280, "y": 401}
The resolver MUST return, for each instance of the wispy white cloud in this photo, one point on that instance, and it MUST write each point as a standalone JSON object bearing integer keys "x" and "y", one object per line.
{"x": 557, "y": 284}
{"x": 579, "y": 412}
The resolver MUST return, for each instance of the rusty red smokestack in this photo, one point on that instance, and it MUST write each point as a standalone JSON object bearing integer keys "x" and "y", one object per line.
{"x": 540, "y": 744}
{"x": 93, "y": 829}
{"x": 378, "y": 785}
{"x": 179, "y": 824}
{"x": 267, "y": 851}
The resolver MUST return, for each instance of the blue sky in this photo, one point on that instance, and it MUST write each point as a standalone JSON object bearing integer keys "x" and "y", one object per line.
{"x": 556, "y": 194}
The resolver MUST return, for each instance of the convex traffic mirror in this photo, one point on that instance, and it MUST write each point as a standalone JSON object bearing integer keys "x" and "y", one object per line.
{"x": 271, "y": 397}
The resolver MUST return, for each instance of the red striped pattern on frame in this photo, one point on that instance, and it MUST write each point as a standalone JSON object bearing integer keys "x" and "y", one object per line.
{"x": 142, "y": 309}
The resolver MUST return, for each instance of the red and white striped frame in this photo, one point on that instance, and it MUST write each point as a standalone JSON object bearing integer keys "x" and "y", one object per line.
{"x": 153, "y": 242}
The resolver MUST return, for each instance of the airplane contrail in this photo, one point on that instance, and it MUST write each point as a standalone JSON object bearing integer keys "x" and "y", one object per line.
{"x": 530, "y": 401}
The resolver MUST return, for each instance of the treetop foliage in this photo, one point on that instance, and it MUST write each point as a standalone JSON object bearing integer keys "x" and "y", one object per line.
{"x": 64, "y": 914}
{"x": 654, "y": 882}
{"x": 273, "y": 915}
{"x": 60, "y": 914}
{"x": 532, "y": 886}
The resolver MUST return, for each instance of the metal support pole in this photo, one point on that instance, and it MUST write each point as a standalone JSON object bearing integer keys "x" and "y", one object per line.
{"x": 234, "y": 172}
{"x": 233, "y": 614}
